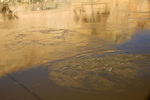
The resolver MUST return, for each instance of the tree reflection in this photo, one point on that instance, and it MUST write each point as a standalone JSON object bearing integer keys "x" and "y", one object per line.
{"x": 97, "y": 15}
{"x": 105, "y": 16}
{"x": 102, "y": 18}
{"x": 7, "y": 13}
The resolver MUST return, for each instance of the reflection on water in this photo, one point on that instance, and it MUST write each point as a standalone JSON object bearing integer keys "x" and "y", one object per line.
{"x": 38, "y": 45}
{"x": 87, "y": 42}
{"x": 7, "y": 13}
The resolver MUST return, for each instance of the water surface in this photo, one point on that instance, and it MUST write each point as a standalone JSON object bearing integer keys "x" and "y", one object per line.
{"x": 76, "y": 50}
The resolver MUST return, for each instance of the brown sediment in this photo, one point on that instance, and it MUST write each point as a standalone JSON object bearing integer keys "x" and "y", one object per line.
{"x": 108, "y": 72}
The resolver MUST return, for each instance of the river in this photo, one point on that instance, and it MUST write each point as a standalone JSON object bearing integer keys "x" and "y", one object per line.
{"x": 76, "y": 50}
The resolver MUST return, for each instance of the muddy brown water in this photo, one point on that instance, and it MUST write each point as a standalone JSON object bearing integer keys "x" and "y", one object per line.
{"x": 74, "y": 50}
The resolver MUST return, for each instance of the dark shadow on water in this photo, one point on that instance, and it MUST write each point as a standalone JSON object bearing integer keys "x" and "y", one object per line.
{"x": 139, "y": 44}
{"x": 148, "y": 97}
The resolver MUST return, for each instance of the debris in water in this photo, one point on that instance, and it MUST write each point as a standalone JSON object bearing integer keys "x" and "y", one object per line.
{"x": 110, "y": 69}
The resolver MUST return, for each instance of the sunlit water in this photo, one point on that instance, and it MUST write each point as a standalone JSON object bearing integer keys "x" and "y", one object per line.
{"x": 73, "y": 50}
